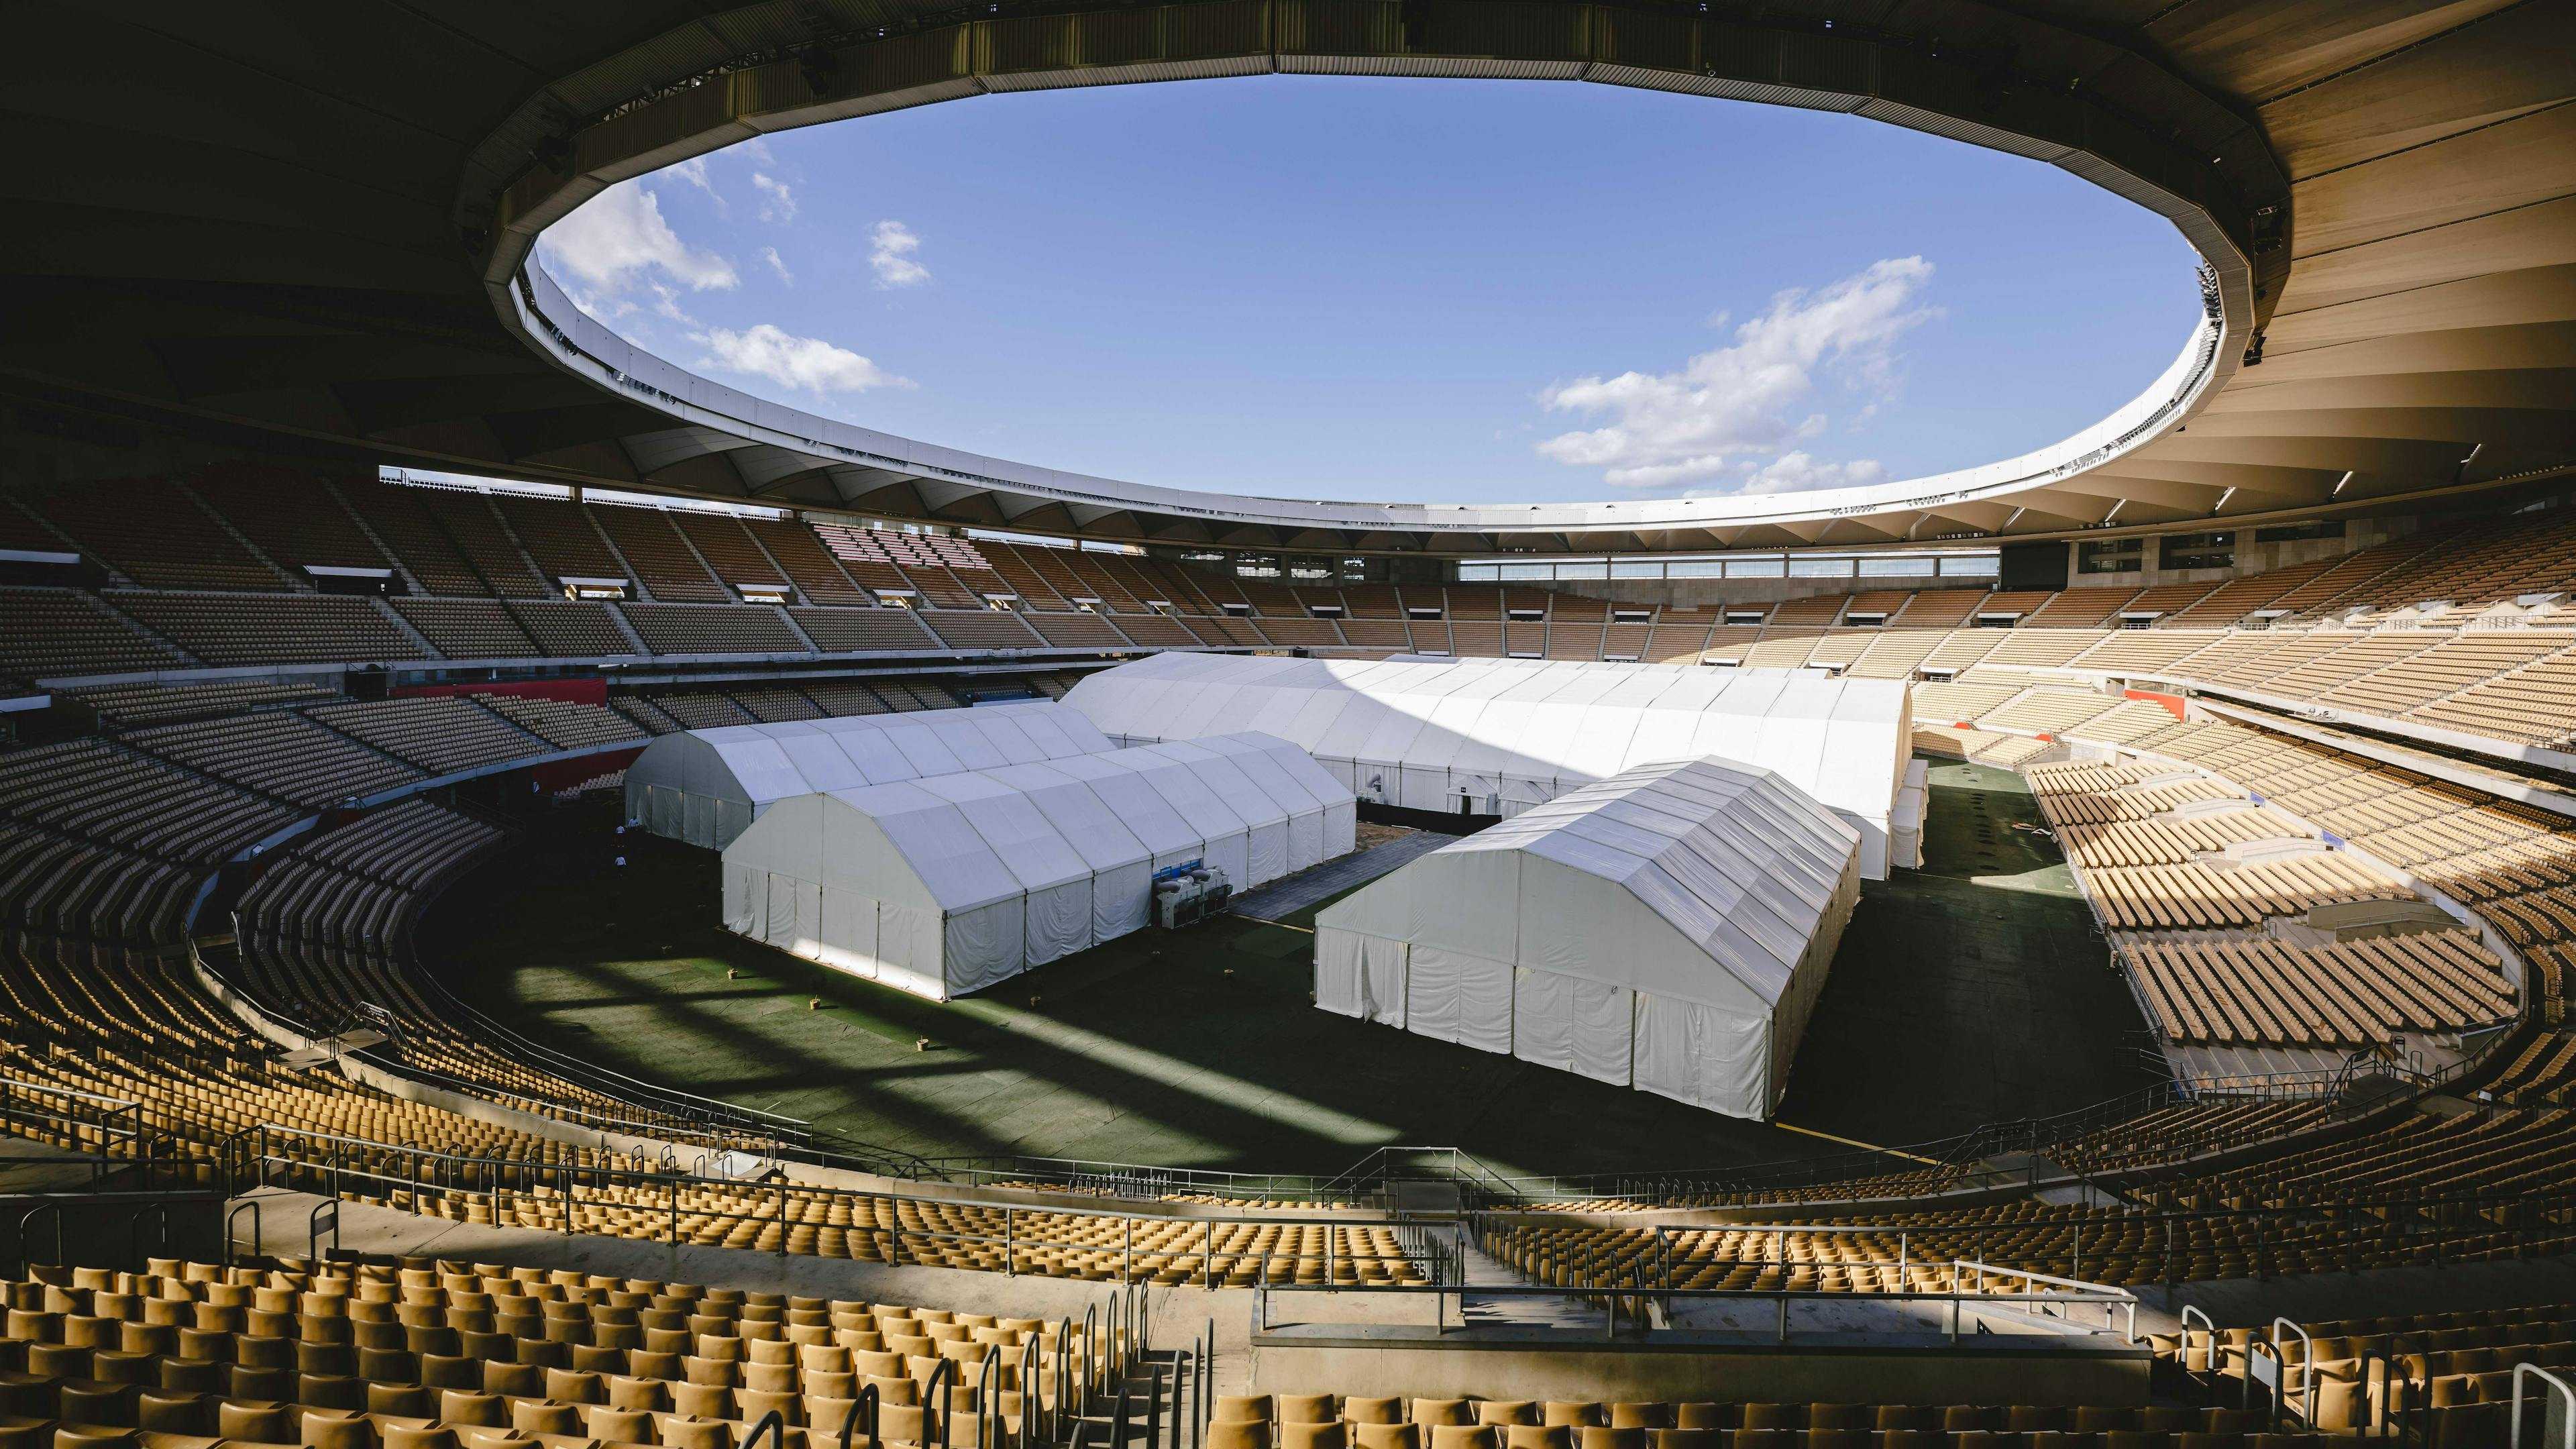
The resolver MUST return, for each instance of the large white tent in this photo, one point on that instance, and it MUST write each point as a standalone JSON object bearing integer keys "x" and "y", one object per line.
{"x": 1497, "y": 736}
{"x": 707, "y": 786}
{"x": 948, "y": 883}
{"x": 1668, "y": 928}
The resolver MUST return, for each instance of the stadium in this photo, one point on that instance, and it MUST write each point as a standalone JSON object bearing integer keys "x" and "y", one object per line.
{"x": 590, "y": 907}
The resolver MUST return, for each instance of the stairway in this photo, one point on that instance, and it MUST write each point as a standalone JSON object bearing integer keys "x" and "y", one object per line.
{"x": 1517, "y": 1310}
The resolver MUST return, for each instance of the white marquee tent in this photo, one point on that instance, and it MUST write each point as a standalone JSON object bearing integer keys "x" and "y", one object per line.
{"x": 948, "y": 883}
{"x": 707, "y": 786}
{"x": 1502, "y": 735}
{"x": 1668, "y": 928}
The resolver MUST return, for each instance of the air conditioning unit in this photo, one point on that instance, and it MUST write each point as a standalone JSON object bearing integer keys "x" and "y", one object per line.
{"x": 1189, "y": 895}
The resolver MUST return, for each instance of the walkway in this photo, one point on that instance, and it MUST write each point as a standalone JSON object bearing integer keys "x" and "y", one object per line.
{"x": 1284, "y": 898}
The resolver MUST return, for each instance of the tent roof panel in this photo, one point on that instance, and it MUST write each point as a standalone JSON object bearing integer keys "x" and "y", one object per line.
{"x": 1728, "y": 856}
{"x": 1552, "y": 723}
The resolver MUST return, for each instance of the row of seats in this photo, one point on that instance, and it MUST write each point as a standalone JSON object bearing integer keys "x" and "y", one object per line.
{"x": 666, "y": 711}
{"x": 103, "y": 792}
{"x": 2345, "y": 995}
{"x": 80, "y": 898}
{"x": 2233, "y": 1222}
{"x": 372, "y": 1355}
{"x": 2166, "y": 838}
{"x": 130, "y": 706}
{"x": 50, "y": 632}
{"x": 321, "y": 936}
{"x": 440, "y": 734}
{"x": 2160, "y": 1137}
{"x": 241, "y": 629}
{"x": 153, "y": 1020}
{"x": 2445, "y": 1376}
{"x": 2196, "y": 897}
{"x": 279, "y": 755}
{"x": 563, "y": 724}
{"x": 1331, "y": 1421}
{"x": 2433, "y": 677}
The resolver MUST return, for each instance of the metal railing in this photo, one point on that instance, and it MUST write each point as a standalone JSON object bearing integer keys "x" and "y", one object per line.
{"x": 92, "y": 1123}
{"x": 2350, "y": 1235}
{"x": 341, "y": 1167}
{"x": 118, "y": 1143}
{"x": 94, "y": 1228}
{"x": 2043, "y": 1299}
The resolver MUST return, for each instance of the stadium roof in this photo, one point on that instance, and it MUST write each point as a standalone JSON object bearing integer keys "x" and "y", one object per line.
{"x": 272, "y": 230}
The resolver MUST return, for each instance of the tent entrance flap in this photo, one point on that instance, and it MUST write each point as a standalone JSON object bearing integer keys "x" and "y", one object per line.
{"x": 1361, "y": 976}
{"x": 1458, "y": 997}
{"x": 1574, "y": 1025}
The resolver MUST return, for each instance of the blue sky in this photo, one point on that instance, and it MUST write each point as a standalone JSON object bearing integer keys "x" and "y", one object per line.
{"x": 1380, "y": 289}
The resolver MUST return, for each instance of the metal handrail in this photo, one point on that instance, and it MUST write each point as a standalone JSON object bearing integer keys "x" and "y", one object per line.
{"x": 255, "y": 1152}
{"x": 2307, "y": 1365}
{"x": 2120, "y": 1306}
{"x": 2555, "y": 1385}
{"x": 2209, "y": 1364}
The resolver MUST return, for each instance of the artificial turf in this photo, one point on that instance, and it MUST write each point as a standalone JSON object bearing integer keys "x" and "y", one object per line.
{"x": 1968, "y": 991}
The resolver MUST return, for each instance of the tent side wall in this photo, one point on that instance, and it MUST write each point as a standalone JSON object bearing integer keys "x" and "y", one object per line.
{"x": 776, "y": 892}
{"x": 681, "y": 790}
{"x": 1605, "y": 936}
{"x": 1807, "y": 984}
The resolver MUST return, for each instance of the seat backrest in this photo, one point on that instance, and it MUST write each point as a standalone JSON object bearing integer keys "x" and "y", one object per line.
{"x": 1359, "y": 1410}
{"x": 1387, "y": 1436}
{"x": 1238, "y": 1434}
{"x": 1298, "y": 1434}
{"x": 1305, "y": 1409}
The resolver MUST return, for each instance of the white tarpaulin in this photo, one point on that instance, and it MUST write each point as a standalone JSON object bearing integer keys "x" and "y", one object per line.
{"x": 948, "y": 883}
{"x": 706, "y": 786}
{"x": 1497, "y": 736}
{"x": 1668, "y": 928}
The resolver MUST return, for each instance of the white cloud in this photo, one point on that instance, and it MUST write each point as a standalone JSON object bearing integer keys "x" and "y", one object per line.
{"x": 770, "y": 255}
{"x": 666, "y": 305}
{"x": 890, "y": 251}
{"x": 1728, "y": 408}
{"x": 1796, "y": 472}
{"x": 694, "y": 172}
{"x": 808, "y": 363}
{"x": 619, "y": 237}
{"x": 777, "y": 203}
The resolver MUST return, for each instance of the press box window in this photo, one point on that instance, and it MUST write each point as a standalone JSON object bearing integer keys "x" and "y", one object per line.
{"x": 2293, "y": 532}
{"x": 2197, "y": 550}
{"x": 2111, "y": 556}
